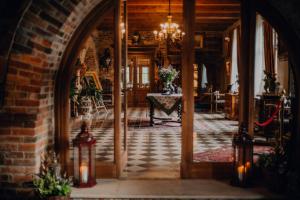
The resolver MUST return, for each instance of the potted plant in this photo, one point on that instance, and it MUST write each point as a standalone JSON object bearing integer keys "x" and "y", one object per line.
{"x": 271, "y": 84}
{"x": 274, "y": 168}
{"x": 167, "y": 76}
{"x": 49, "y": 184}
{"x": 83, "y": 96}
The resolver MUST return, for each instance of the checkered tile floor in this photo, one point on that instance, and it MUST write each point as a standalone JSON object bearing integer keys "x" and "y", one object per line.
{"x": 155, "y": 151}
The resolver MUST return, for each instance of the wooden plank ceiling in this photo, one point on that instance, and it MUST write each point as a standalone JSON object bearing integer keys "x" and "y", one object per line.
{"x": 211, "y": 15}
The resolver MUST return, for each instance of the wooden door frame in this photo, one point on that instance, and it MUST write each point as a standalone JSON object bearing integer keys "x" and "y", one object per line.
{"x": 145, "y": 50}
{"x": 62, "y": 89}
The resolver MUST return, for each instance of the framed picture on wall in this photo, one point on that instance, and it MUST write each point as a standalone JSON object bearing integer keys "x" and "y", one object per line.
{"x": 91, "y": 78}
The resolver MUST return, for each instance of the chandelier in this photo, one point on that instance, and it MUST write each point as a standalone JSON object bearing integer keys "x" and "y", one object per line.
{"x": 169, "y": 29}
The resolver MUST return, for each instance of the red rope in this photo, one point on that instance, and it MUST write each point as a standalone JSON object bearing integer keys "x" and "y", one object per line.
{"x": 278, "y": 106}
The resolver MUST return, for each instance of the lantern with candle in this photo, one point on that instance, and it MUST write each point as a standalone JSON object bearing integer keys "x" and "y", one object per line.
{"x": 84, "y": 158}
{"x": 242, "y": 157}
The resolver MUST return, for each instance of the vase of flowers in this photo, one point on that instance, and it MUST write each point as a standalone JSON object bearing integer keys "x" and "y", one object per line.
{"x": 167, "y": 76}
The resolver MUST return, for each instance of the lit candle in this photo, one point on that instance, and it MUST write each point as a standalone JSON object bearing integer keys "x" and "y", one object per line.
{"x": 84, "y": 173}
{"x": 248, "y": 165}
{"x": 241, "y": 172}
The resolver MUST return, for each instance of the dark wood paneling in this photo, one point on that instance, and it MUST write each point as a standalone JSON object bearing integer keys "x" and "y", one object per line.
{"x": 210, "y": 14}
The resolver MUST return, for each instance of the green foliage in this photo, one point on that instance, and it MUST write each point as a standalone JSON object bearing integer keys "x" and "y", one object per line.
{"x": 49, "y": 182}
{"x": 276, "y": 161}
{"x": 73, "y": 89}
{"x": 89, "y": 90}
{"x": 50, "y": 185}
{"x": 270, "y": 82}
{"x": 167, "y": 74}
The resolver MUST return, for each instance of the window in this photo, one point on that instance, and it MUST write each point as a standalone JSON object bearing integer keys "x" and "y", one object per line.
{"x": 204, "y": 77}
{"x": 142, "y": 76}
{"x": 138, "y": 76}
{"x": 196, "y": 79}
{"x": 145, "y": 75}
{"x": 128, "y": 80}
{"x": 234, "y": 64}
{"x": 259, "y": 62}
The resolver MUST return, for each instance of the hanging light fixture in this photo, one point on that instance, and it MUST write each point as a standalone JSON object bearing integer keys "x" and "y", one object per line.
{"x": 169, "y": 29}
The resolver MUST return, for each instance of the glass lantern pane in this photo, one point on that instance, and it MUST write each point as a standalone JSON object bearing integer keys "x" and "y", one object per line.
{"x": 76, "y": 163}
{"x": 93, "y": 152}
{"x": 84, "y": 166}
{"x": 240, "y": 155}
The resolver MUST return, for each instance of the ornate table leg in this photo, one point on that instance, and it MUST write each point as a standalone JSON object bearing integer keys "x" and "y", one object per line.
{"x": 179, "y": 111}
{"x": 151, "y": 113}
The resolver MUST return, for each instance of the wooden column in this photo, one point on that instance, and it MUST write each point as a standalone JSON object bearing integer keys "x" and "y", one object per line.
{"x": 125, "y": 64}
{"x": 188, "y": 57}
{"x": 117, "y": 85}
{"x": 246, "y": 93}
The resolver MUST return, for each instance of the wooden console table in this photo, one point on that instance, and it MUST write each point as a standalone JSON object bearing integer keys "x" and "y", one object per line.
{"x": 166, "y": 103}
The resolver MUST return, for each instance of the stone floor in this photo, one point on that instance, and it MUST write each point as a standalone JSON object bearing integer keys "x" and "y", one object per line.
{"x": 154, "y": 152}
{"x": 169, "y": 189}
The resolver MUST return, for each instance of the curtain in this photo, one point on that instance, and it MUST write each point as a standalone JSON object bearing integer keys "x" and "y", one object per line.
{"x": 234, "y": 63}
{"x": 259, "y": 57}
{"x": 269, "y": 48}
{"x": 203, "y": 77}
{"x": 238, "y": 42}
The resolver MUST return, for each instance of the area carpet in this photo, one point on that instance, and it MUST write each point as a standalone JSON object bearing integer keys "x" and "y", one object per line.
{"x": 224, "y": 154}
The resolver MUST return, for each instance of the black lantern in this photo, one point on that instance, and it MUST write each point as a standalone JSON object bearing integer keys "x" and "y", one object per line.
{"x": 242, "y": 158}
{"x": 84, "y": 158}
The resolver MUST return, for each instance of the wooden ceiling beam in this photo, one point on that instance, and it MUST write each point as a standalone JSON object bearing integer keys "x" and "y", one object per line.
{"x": 211, "y": 15}
{"x": 180, "y": 2}
{"x": 198, "y": 28}
{"x": 178, "y": 9}
{"x": 201, "y": 14}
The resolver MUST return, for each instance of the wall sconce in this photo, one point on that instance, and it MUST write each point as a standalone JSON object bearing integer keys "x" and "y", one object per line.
{"x": 84, "y": 158}
{"x": 227, "y": 39}
{"x": 242, "y": 158}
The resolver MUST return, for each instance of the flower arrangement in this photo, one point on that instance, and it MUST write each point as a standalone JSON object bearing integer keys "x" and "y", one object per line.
{"x": 49, "y": 184}
{"x": 167, "y": 75}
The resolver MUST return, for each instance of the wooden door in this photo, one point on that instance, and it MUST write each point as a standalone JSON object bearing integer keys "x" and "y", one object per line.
{"x": 138, "y": 74}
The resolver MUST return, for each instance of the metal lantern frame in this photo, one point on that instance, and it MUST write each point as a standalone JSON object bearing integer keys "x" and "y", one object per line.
{"x": 84, "y": 165}
{"x": 242, "y": 158}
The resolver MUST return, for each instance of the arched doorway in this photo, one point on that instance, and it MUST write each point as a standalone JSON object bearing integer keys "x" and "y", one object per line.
{"x": 60, "y": 92}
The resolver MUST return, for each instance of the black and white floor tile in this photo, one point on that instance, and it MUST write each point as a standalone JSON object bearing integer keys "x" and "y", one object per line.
{"x": 155, "y": 151}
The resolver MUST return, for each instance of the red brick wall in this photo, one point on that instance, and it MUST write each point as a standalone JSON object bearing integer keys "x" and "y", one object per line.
{"x": 27, "y": 118}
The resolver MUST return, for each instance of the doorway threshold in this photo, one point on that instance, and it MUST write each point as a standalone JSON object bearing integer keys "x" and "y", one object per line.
{"x": 169, "y": 189}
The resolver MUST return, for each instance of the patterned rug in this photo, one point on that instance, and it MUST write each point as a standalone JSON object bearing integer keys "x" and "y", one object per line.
{"x": 225, "y": 154}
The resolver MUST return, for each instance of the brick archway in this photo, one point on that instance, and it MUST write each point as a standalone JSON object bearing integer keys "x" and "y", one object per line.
{"x": 64, "y": 76}
{"x": 43, "y": 33}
